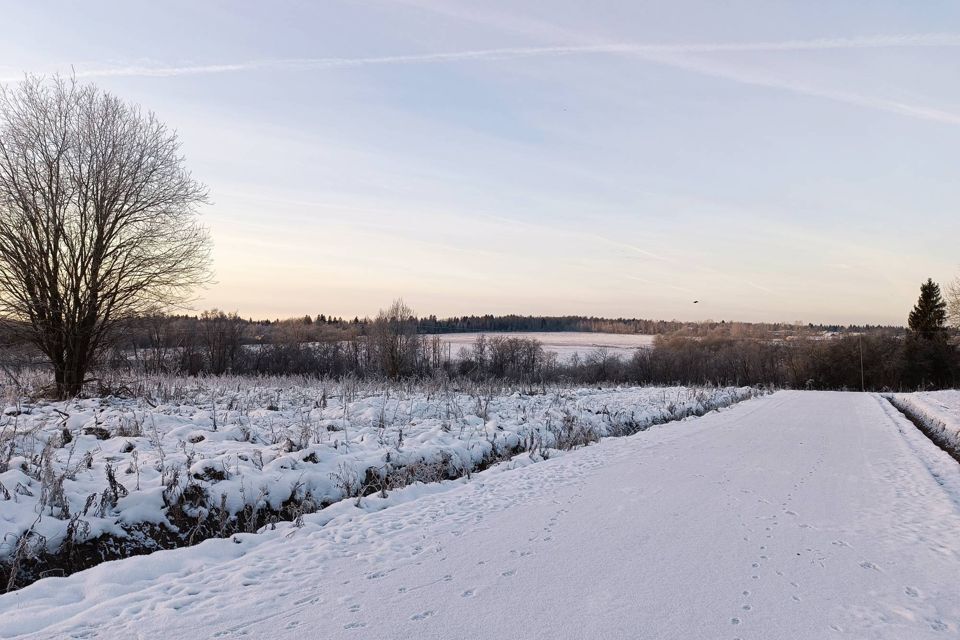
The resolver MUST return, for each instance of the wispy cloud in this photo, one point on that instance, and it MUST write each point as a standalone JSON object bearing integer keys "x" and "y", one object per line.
{"x": 661, "y": 284}
{"x": 717, "y": 69}
{"x": 506, "y": 53}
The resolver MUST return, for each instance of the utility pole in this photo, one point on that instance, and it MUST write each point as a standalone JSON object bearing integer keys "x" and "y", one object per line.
{"x": 863, "y": 386}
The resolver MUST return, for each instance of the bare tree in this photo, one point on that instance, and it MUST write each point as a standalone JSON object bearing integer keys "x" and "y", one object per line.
{"x": 395, "y": 340}
{"x": 154, "y": 341}
{"x": 98, "y": 219}
{"x": 222, "y": 335}
{"x": 953, "y": 302}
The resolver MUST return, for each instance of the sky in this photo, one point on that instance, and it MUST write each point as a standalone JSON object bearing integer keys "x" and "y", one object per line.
{"x": 776, "y": 161}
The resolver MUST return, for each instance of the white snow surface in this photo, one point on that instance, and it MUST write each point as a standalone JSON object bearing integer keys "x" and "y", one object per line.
{"x": 259, "y": 445}
{"x": 796, "y": 515}
{"x": 563, "y": 343}
{"x": 939, "y": 411}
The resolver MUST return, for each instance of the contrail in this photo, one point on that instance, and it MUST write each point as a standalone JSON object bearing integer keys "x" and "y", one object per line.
{"x": 506, "y": 53}
{"x": 718, "y": 70}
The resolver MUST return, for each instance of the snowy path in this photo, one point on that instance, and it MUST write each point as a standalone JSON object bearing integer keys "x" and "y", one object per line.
{"x": 798, "y": 515}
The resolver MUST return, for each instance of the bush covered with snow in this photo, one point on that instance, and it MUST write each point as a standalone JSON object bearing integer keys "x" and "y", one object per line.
{"x": 937, "y": 413}
{"x": 187, "y": 459}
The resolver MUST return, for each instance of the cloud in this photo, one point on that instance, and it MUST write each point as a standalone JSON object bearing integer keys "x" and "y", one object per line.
{"x": 507, "y": 53}
{"x": 661, "y": 283}
{"x": 719, "y": 70}
{"x": 686, "y": 56}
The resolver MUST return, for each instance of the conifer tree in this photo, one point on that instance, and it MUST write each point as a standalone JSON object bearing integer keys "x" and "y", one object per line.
{"x": 928, "y": 356}
{"x": 928, "y": 318}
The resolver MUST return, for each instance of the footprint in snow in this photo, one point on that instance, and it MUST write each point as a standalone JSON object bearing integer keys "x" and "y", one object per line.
{"x": 423, "y": 615}
{"x": 355, "y": 625}
{"x": 910, "y": 591}
{"x": 469, "y": 593}
{"x": 869, "y": 565}
{"x": 509, "y": 573}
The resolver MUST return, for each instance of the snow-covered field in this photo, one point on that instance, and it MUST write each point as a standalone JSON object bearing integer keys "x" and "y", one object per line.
{"x": 202, "y": 458}
{"x": 564, "y": 344}
{"x": 800, "y": 515}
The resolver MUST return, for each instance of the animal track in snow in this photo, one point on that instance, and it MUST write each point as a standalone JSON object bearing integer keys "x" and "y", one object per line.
{"x": 423, "y": 615}
{"x": 938, "y": 625}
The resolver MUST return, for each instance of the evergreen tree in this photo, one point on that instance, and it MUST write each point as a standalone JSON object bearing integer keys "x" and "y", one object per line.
{"x": 928, "y": 319}
{"x": 927, "y": 354}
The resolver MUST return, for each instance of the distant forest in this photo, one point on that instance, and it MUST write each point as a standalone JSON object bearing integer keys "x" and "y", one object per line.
{"x": 322, "y": 327}
{"x": 398, "y": 344}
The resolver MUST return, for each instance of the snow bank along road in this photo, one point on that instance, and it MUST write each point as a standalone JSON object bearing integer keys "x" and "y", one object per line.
{"x": 797, "y": 515}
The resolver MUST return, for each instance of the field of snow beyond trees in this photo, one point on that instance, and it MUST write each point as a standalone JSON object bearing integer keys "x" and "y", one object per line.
{"x": 180, "y": 460}
{"x": 566, "y": 344}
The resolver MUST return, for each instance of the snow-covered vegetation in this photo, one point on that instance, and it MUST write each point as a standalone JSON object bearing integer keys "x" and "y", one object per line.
{"x": 797, "y": 515}
{"x": 937, "y": 413}
{"x": 176, "y": 460}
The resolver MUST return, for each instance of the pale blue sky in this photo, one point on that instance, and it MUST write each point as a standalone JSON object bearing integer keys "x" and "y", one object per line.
{"x": 774, "y": 160}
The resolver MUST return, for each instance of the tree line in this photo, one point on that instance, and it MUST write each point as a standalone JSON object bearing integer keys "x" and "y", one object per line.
{"x": 925, "y": 355}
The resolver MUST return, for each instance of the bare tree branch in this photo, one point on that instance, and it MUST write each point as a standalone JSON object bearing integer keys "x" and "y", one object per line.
{"x": 98, "y": 219}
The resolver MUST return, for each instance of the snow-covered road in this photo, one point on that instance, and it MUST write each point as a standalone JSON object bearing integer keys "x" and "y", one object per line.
{"x": 797, "y": 515}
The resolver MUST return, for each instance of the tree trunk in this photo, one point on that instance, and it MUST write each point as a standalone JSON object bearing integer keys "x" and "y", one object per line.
{"x": 69, "y": 374}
